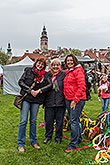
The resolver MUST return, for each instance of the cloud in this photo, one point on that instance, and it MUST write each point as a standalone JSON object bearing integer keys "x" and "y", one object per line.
{"x": 69, "y": 23}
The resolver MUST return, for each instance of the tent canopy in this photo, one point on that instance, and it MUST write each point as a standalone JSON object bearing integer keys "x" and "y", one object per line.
{"x": 12, "y": 73}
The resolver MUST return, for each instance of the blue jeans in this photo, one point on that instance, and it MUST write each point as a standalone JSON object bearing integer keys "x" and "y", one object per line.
{"x": 34, "y": 108}
{"x": 105, "y": 104}
{"x": 51, "y": 114}
{"x": 74, "y": 115}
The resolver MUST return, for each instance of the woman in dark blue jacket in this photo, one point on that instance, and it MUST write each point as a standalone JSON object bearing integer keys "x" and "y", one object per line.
{"x": 55, "y": 103}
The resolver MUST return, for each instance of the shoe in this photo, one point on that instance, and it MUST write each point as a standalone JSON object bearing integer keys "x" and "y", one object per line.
{"x": 69, "y": 150}
{"x": 46, "y": 140}
{"x": 35, "y": 146}
{"x": 58, "y": 141}
{"x": 21, "y": 149}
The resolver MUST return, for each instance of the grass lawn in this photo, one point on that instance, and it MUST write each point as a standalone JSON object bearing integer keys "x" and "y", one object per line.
{"x": 49, "y": 154}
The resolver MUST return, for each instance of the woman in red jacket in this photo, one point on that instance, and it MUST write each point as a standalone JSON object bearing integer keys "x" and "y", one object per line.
{"x": 75, "y": 96}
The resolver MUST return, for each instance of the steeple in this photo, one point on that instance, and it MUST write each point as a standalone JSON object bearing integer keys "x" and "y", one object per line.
{"x": 44, "y": 40}
{"x": 9, "y": 51}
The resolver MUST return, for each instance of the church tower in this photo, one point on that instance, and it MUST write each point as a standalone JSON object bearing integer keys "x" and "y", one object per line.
{"x": 9, "y": 51}
{"x": 44, "y": 40}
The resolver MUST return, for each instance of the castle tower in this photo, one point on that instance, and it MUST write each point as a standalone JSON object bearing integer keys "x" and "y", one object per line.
{"x": 44, "y": 40}
{"x": 9, "y": 51}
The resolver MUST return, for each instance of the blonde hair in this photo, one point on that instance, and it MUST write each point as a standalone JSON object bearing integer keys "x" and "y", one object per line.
{"x": 55, "y": 60}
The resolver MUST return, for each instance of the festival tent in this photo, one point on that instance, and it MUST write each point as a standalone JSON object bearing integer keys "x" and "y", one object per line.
{"x": 11, "y": 75}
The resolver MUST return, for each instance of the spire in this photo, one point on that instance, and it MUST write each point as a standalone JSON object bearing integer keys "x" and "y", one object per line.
{"x": 44, "y": 29}
{"x": 9, "y": 49}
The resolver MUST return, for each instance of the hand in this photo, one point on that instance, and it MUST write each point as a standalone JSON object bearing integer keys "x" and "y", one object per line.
{"x": 35, "y": 93}
{"x": 73, "y": 105}
{"x": 42, "y": 80}
{"x": 99, "y": 98}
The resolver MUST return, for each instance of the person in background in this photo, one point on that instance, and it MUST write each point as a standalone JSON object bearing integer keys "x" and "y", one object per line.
{"x": 75, "y": 96}
{"x": 108, "y": 76}
{"x": 55, "y": 103}
{"x": 88, "y": 86}
{"x": 98, "y": 80}
{"x": 94, "y": 80}
{"x": 37, "y": 77}
{"x": 104, "y": 92}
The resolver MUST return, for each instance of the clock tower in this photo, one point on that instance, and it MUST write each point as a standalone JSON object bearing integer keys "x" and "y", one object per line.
{"x": 44, "y": 40}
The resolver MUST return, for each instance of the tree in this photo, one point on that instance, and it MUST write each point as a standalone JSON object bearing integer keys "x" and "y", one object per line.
{"x": 76, "y": 52}
{"x": 4, "y": 59}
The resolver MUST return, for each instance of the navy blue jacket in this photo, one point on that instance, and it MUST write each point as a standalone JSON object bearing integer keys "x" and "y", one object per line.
{"x": 53, "y": 98}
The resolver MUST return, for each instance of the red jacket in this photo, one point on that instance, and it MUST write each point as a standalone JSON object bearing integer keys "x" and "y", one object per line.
{"x": 106, "y": 94}
{"x": 74, "y": 84}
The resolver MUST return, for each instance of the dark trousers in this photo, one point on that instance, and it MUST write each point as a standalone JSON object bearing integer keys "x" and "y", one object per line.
{"x": 51, "y": 114}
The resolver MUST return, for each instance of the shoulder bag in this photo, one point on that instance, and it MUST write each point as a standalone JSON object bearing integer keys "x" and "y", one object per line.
{"x": 19, "y": 99}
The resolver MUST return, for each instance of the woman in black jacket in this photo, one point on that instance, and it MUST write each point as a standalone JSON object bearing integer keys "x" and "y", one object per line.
{"x": 55, "y": 103}
{"x": 34, "y": 81}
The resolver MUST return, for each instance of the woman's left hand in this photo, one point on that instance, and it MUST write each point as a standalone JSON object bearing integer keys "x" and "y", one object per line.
{"x": 73, "y": 105}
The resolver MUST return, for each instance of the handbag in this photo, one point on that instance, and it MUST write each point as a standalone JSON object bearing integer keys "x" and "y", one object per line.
{"x": 18, "y": 101}
{"x": 19, "y": 98}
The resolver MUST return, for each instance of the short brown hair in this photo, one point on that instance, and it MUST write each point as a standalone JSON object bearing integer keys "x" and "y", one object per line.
{"x": 75, "y": 60}
{"x": 42, "y": 59}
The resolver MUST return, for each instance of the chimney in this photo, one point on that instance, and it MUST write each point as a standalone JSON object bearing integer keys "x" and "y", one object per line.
{"x": 27, "y": 51}
{"x": 95, "y": 51}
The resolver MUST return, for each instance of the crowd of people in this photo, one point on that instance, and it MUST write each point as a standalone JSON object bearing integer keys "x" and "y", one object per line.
{"x": 57, "y": 90}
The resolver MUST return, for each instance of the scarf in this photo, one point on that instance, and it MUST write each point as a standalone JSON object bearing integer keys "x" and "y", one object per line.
{"x": 55, "y": 73}
{"x": 54, "y": 81}
{"x": 39, "y": 75}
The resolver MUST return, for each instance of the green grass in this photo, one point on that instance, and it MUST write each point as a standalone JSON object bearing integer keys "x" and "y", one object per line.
{"x": 49, "y": 154}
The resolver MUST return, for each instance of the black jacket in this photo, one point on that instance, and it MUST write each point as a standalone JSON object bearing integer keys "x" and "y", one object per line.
{"x": 53, "y": 98}
{"x": 25, "y": 82}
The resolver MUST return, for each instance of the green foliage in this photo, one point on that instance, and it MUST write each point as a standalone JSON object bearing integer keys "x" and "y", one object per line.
{"x": 4, "y": 59}
{"x": 76, "y": 52}
{"x": 49, "y": 154}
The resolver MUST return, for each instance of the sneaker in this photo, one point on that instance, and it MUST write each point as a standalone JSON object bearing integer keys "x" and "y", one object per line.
{"x": 46, "y": 140}
{"x": 35, "y": 146}
{"x": 69, "y": 150}
{"x": 21, "y": 149}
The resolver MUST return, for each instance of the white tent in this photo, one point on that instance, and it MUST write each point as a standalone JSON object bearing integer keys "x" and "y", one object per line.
{"x": 12, "y": 73}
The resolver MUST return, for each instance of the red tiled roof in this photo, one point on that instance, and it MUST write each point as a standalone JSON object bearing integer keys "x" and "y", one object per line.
{"x": 33, "y": 56}
{"x": 91, "y": 54}
{"x": 101, "y": 55}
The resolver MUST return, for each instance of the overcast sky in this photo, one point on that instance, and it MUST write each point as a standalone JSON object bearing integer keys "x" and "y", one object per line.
{"x": 78, "y": 24}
